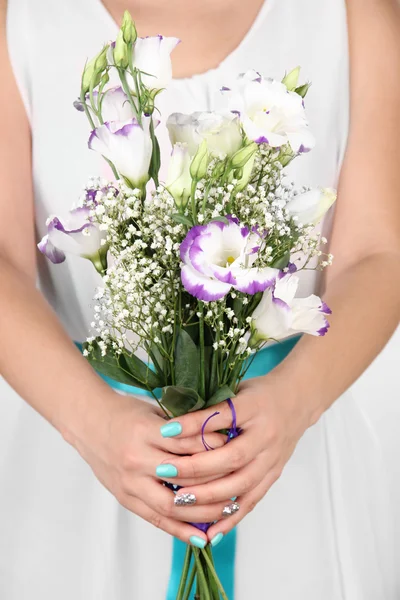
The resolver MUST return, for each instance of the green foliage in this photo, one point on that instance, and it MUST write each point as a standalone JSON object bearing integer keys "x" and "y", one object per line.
{"x": 181, "y": 400}
{"x": 125, "y": 368}
{"x": 186, "y": 361}
{"x": 220, "y": 396}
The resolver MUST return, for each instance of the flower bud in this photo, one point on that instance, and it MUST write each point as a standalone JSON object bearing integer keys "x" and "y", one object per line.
{"x": 242, "y": 156}
{"x": 199, "y": 165}
{"x": 179, "y": 182}
{"x": 245, "y": 174}
{"x": 128, "y": 29}
{"x": 292, "y": 79}
{"x": 94, "y": 71}
{"x": 121, "y": 58}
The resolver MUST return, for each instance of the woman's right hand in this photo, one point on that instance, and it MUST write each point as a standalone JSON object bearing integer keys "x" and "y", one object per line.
{"x": 123, "y": 444}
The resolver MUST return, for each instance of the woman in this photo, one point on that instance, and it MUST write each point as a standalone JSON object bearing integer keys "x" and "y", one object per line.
{"x": 321, "y": 527}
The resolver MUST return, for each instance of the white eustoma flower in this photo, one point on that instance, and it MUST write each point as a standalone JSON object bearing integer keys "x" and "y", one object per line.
{"x": 221, "y": 131}
{"x": 220, "y": 256}
{"x": 115, "y": 106}
{"x": 76, "y": 234}
{"x": 270, "y": 113}
{"x": 311, "y": 206}
{"x": 280, "y": 314}
{"x": 127, "y": 145}
{"x": 179, "y": 181}
{"x": 152, "y": 56}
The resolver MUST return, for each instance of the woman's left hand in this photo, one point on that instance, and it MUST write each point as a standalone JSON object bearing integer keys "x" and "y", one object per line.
{"x": 245, "y": 468}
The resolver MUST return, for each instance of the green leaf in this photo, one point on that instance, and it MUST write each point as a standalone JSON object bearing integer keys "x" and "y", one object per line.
{"x": 155, "y": 161}
{"x": 282, "y": 261}
{"x": 110, "y": 365}
{"x": 237, "y": 307}
{"x": 186, "y": 361}
{"x": 182, "y": 220}
{"x": 142, "y": 372}
{"x": 181, "y": 400}
{"x": 220, "y": 396}
{"x": 303, "y": 89}
{"x": 208, "y": 352}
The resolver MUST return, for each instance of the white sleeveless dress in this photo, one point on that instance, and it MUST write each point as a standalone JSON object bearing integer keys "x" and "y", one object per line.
{"x": 323, "y": 532}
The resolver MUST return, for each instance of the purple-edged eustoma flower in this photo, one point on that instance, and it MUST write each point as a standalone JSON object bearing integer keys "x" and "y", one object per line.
{"x": 152, "y": 56}
{"x": 311, "y": 206}
{"x": 220, "y": 256}
{"x": 179, "y": 181}
{"x": 76, "y": 234}
{"x": 221, "y": 131}
{"x": 280, "y": 314}
{"x": 115, "y": 106}
{"x": 128, "y": 146}
{"x": 270, "y": 113}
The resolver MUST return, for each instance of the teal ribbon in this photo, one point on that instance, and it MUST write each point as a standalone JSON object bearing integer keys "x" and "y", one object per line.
{"x": 224, "y": 554}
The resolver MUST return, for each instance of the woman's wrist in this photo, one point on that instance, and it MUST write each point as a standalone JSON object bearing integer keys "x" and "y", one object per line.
{"x": 299, "y": 399}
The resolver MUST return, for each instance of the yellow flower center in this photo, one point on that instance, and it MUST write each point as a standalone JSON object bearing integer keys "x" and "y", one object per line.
{"x": 230, "y": 260}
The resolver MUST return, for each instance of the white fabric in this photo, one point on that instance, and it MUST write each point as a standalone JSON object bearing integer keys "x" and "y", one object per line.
{"x": 324, "y": 529}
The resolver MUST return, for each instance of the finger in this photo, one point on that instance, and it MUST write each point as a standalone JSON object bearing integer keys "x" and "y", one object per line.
{"x": 191, "y": 445}
{"x": 192, "y": 423}
{"x": 232, "y": 457}
{"x": 235, "y": 484}
{"x": 178, "y": 529}
{"x": 246, "y": 503}
{"x": 161, "y": 500}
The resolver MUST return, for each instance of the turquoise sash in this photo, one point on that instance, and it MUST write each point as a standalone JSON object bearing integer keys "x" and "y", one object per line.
{"x": 224, "y": 554}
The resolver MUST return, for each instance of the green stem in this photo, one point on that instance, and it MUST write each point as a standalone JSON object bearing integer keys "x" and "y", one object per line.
{"x": 185, "y": 572}
{"x": 214, "y": 574}
{"x": 189, "y": 583}
{"x": 202, "y": 373}
{"x": 125, "y": 87}
{"x": 193, "y": 201}
{"x": 201, "y": 578}
{"x": 212, "y": 582}
{"x": 155, "y": 147}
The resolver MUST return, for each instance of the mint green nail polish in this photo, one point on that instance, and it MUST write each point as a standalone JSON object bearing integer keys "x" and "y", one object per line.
{"x": 197, "y": 541}
{"x": 216, "y": 540}
{"x": 234, "y": 498}
{"x": 171, "y": 429}
{"x": 166, "y": 471}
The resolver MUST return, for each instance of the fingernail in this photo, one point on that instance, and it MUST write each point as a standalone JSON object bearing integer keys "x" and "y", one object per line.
{"x": 166, "y": 471}
{"x": 197, "y": 541}
{"x": 216, "y": 540}
{"x": 234, "y": 498}
{"x": 185, "y": 500}
{"x": 171, "y": 429}
{"x": 230, "y": 509}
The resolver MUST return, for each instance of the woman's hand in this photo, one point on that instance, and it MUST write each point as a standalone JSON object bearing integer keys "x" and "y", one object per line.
{"x": 246, "y": 467}
{"x": 123, "y": 443}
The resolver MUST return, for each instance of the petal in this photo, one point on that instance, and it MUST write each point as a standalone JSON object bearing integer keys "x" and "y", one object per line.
{"x": 201, "y": 287}
{"x": 254, "y": 280}
{"x": 115, "y": 106}
{"x": 55, "y": 255}
{"x": 273, "y": 318}
{"x": 309, "y": 316}
{"x": 84, "y": 242}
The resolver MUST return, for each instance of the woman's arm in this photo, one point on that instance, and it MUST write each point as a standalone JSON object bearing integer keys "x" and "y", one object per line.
{"x": 362, "y": 287}
{"x": 119, "y": 436}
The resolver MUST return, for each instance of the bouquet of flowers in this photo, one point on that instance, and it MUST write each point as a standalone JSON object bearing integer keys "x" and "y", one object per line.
{"x": 200, "y": 272}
